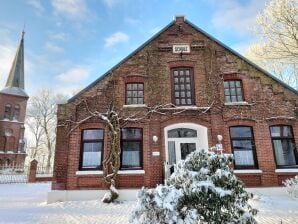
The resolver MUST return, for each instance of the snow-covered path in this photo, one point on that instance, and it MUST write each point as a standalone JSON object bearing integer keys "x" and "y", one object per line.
{"x": 25, "y": 203}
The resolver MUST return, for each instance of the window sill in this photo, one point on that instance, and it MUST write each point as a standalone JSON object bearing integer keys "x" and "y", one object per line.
{"x": 131, "y": 172}
{"x": 243, "y": 103}
{"x": 293, "y": 170}
{"x": 247, "y": 171}
{"x": 89, "y": 172}
{"x": 134, "y": 105}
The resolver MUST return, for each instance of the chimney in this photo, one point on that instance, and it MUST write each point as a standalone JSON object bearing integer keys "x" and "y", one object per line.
{"x": 179, "y": 19}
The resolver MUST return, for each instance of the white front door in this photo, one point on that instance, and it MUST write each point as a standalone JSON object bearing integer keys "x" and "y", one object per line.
{"x": 182, "y": 139}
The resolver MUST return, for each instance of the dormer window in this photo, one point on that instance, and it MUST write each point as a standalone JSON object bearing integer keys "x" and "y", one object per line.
{"x": 16, "y": 113}
{"x": 182, "y": 85}
{"x": 7, "y": 111}
{"x": 134, "y": 93}
{"x": 233, "y": 91}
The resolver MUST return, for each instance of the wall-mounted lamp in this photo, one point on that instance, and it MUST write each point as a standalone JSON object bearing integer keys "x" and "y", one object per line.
{"x": 155, "y": 138}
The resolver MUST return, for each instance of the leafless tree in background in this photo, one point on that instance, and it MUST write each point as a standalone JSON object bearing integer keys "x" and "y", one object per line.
{"x": 41, "y": 124}
{"x": 277, "y": 49}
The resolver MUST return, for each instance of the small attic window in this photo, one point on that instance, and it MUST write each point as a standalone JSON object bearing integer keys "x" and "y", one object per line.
{"x": 233, "y": 91}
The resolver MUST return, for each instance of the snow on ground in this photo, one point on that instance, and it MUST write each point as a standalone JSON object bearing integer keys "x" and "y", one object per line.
{"x": 25, "y": 203}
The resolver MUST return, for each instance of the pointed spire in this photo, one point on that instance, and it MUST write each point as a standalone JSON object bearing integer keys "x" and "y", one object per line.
{"x": 16, "y": 74}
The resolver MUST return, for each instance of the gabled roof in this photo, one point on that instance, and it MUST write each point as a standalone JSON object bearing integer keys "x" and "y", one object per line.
{"x": 15, "y": 82}
{"x": 199, "y": 30}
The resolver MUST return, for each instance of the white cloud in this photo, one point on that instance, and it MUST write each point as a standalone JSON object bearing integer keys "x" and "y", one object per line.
{"x": 68, "y": 90}
{"x": 36, "y": 4}
{"x": 53, "y": 48}
{"x": 75, "y": 9}
{"x": 59, "y": 36}
{"x": 115, "y": 38}
{"x": 73, "y": 75}
{"x": 237, "y": 15}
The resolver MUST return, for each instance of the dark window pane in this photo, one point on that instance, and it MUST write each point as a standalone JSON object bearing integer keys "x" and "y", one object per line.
{"x": 176, "y": 80}
{"x": 237, "y": 132}
{"x": 182, "y": 133}
{"x": 186, "y": 149}
{"x": 232, "y": 84}
{"x": 93, "y": 134}
{"x": 129, "y": 86}
{"x": 176, "y": 94}
{"x": 242, "y": 145}
{"x": 131, "y": 133}
{"x": 187, "y": 72}
{"x": 281, "y": 131}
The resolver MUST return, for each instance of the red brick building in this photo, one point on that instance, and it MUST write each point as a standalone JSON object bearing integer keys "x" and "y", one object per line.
{"x": 205, "y": 89}
{"x": 13, "y": 102}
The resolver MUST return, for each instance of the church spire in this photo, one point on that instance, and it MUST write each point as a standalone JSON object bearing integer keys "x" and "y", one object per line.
{"x": 16, "y": 74}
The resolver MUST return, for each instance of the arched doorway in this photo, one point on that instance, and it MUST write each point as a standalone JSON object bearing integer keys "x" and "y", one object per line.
{"x": 181, "y": 139}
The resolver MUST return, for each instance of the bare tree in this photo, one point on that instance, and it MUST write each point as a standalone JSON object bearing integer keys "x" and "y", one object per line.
{"x": 41, "y": 122}
{"x": 277, "y": 49}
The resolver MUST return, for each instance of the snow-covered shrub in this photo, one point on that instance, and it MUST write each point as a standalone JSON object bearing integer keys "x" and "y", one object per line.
{"x": 292, "y": 186}
{"x": 202, "y": 188}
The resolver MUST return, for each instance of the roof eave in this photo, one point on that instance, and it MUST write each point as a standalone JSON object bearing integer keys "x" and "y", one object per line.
{"x": 119, "y": 63}
{"x": 243, "y": 58}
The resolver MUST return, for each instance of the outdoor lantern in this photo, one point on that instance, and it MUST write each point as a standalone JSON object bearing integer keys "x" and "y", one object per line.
{"x": 155, "y": 138}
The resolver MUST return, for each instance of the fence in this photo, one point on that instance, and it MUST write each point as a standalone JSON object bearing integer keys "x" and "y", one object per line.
{"x": 13, "y": 174}
{"x": 23, "y": 174}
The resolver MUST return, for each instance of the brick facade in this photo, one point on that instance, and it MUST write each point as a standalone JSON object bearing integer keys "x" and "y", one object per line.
{"x": 267, "y": 102}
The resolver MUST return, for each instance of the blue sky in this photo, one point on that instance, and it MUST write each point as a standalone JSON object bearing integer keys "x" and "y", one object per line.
{"x": 70, "y": 43}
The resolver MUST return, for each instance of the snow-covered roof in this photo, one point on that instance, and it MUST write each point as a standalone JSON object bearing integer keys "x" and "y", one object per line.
{"x": 14, "y": 91}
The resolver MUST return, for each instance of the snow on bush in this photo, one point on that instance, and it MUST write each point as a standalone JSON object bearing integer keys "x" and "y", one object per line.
{"x": 202, "y": 189}
{"x": 292, "y": 186}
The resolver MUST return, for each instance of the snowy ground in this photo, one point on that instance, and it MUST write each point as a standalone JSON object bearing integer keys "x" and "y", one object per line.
{"x": 25, "y": 203}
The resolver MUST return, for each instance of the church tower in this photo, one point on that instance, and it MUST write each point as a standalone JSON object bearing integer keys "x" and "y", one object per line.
{"x": 13, "y": 103}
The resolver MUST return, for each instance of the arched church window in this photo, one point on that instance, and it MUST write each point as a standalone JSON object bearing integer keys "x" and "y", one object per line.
{"x": 16, "y": 113}
{"x": 7, "y": 111}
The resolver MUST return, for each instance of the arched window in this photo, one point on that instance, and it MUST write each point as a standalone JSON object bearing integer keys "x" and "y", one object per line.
{"x": 243, "y": 147}
{"x": 16, "y": 113}
{"x": 7, "y": 111}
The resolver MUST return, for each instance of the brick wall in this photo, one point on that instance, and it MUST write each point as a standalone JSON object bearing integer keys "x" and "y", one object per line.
{"x": 268, "y": 103}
